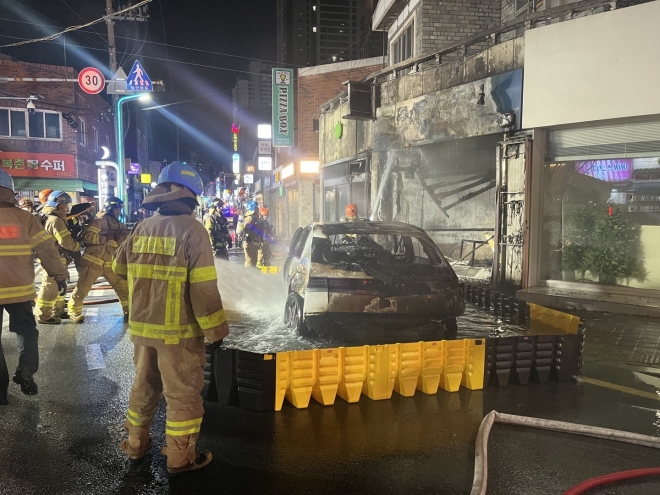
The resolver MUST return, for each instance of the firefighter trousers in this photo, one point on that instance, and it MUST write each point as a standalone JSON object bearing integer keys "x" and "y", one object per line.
{"x": 50, "y": 304}
{"x": 23, "y": 324}
{"x": 87, "y": 276}
{"x": 265, "y": 257}
{"x": 251, "y": 250}
{"x": 177, "y": 372}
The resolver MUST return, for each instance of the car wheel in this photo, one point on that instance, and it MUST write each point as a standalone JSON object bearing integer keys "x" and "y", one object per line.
{"x": 293, "y": 315}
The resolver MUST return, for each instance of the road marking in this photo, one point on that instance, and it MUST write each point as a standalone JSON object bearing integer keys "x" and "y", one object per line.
{"x": 619, "y": 388}
{"x": 94, "y": 311}
{"x": 94, "y": 357}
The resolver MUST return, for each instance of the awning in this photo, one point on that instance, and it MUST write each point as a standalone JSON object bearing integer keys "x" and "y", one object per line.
{"x": 71, "y": 185}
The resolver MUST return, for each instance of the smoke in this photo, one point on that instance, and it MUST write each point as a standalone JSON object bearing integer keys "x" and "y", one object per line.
{"x": 247, "y": 290}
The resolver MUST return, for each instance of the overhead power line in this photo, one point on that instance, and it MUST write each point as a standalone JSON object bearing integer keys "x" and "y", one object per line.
{"x": 76, "y": 28}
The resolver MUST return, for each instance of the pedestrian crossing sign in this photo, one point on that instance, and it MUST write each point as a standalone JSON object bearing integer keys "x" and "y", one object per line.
{"x": 138, "y": 80}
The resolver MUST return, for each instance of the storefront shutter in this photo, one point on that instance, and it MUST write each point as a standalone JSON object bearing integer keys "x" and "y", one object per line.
{"x": 634, "y": 140}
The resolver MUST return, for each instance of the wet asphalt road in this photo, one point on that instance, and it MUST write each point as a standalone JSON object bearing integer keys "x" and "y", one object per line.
{"x": 64, "y": 441}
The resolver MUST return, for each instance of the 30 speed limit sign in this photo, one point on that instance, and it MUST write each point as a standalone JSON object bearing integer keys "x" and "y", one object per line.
{"x": 91, "y": 80}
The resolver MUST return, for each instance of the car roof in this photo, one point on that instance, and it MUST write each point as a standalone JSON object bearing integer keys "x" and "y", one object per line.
{"x": 368, "y": 227}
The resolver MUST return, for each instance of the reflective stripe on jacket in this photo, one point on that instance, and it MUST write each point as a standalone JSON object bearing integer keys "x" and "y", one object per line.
{"x": 102, "y": 237}
{"x": 173, "y": 291}
{"x": 21, "y": 234}
{"x": 56, "y": 226}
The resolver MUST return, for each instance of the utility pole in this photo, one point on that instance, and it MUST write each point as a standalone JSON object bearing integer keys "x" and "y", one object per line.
{"x": 111, "y": 39}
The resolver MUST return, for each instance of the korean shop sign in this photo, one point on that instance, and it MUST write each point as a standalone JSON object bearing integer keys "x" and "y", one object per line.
{"x": 283, "y": 108}
{"x": 43, "y": 165}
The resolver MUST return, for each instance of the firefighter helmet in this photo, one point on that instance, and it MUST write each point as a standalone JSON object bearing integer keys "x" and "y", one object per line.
{"x": 183, "y": 175}
{"x": 351, "y": 211}
{"x": 6, "y": 180}
{"x": 56, "y": 198}
{"x": 111, "y": 203}
{"x": 43, "y": 195}
{"x": 263, "y": 212}
{"x": 251, "y": 206}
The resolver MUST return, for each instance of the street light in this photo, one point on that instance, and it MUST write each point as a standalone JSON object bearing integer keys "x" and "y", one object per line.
{"x": 119, "y": 133}
{"x": 102, "y": 164}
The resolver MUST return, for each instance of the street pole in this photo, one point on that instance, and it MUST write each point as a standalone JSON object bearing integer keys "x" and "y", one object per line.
{"x": 119, "y": 132}
{"x": 111, "y": 38}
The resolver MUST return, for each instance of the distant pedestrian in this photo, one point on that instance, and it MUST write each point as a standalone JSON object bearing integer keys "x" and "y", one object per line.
{"x": 21, "y": 234}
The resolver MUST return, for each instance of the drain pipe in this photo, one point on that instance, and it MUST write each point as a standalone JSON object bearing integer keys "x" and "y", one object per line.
{"x": 481, "y": 448}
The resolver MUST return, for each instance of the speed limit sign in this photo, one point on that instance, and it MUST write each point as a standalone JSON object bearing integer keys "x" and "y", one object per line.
{"x": 91, "y": 80}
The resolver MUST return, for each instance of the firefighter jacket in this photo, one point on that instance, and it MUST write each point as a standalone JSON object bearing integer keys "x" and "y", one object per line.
{"x": 102, "y": 237}
{"x": 57, "y": 227}
{"x": 173, "y": 289}
{"x": 21, "y": 233}
{"x": 217, "y": 226}
{"x": 253, "y": 231}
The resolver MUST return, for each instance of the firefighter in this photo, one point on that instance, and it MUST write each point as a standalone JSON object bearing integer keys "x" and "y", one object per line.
{"x": 252, "y": 234}
{"x": 265, "y": 256}
{"x": 218, "y": 228}
{"x": 26, "y": 204}
{"x": 102, "y": 238}
{"x": 50, "y": 303}
{"x": 43, "y": 199}
{"x": 351, "y": 214}
{"x": 175, "y": 304}
{"x": 20, "y": 235}
{"x": 76, "y": 222}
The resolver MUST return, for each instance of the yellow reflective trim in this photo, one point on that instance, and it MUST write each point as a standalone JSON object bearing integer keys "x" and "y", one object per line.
{"x": 113, "y": 244}
{"x": 93, "y": 259}
{"x": 16, "y": 253}
{"x": 207, "y": 274}
{"x": 213, "y": 320}
{"x": 93, "y": 229}
{"x": 45, "y": 304}
{"x": 40, "y": 237}
{"x": 119, "y": 268}
{"x": 13, "y": 292}
{"x": 177, "y": 433}
{"x": 154, "y": 245}
{"x": 158, "y": 272}
{"x": 61, "y": 234}
{"x": 183, "y": 424}
{"x": 162, "y": 332}
{"x": 13, "y": 247}
{"x": 7, "y": 290}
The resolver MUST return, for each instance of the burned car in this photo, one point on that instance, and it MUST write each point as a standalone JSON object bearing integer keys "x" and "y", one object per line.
{"x": 378, "y": 276}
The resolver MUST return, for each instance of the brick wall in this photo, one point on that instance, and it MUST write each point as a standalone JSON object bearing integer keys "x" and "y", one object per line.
{"x": 65, "y": 97}
{"x": 447, "y": 21}
{"x": 314, "y": 91}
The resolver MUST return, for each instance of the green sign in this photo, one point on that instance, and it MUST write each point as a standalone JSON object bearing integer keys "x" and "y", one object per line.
{"x": 283, "y": 108}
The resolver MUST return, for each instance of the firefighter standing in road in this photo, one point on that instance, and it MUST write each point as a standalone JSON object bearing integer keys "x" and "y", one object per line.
{"x": 50, "y": 303}
{"x": 218, "y": 228}
{"x": 102, "y": 238}
{"x": 174, "y": 305}
{"x": 20, "y": 235}
{"x": 252, "y": 235}
{"x": 265, "y": 256}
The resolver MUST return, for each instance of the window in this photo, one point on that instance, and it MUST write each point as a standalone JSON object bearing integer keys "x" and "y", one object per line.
{"x": 4, "y": 122}
{"x": 52, "y": 121}
{"x": 36, "y": 121}
{"x": 521, "y": 5}
{"x": 82, "y": 131}
{"x": 107, "y": 141}
{"x": 18, "y": 128}
{"x": 95, "y": 137}
{"x": 402, "y": 48}
{"x": 36, "y": 125}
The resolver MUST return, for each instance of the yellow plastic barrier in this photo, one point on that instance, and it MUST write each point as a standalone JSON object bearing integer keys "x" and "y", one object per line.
{"x": 409, "y": 368}
{"x": 558, "y": 319}
{"x": 475, "y": 361}
{"x": 352, "y": 372}
{"x": 382, "y": 361}
{"x": 326, "y": 375}
{"x": 454, "y": 361}
{"x": 301, "y": 378}
{"x": 433, "y": 355}
{"x": 282, "y": 369}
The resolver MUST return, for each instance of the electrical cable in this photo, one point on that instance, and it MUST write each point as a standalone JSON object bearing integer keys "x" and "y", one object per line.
{"x": 607, "y": 479}
{"x": 479, "y": 482}
{"x": 76, "y": 28}
{"x": 80, "y": 17}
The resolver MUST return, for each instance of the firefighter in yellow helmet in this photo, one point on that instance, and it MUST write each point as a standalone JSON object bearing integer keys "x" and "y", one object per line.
{"x": 50, "y": 302}
{"x": 174, "y": 305}
{"x": 20, "y": 235}
{"x": 265, "y": 257}
{"x": 102, "y": 238}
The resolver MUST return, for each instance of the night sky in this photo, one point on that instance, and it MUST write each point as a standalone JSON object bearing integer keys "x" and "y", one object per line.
{"x": 245, "y": 29}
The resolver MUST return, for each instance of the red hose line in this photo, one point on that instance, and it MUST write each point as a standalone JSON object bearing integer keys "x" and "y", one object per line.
{"x": 612, "y": 478}
{"x": 103, "y": 301}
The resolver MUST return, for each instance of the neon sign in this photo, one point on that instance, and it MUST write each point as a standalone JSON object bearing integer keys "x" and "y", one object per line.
{"x": 235, "y": 129}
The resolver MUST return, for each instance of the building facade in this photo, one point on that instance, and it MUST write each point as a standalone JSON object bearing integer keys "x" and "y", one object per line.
{"x": 55, "y": 145}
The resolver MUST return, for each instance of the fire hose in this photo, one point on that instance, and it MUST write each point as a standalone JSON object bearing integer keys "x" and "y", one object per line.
{"x": 479, "y": 482}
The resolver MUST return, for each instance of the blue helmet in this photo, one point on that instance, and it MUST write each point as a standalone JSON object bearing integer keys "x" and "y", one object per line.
{"x": 58, "y": 197}
{"x": 182, "y": 174}
{"x": 251, "y": 206}
{"x": 6, "y": 180}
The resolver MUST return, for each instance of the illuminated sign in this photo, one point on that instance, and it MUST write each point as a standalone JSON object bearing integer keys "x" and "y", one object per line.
{"x": 44, "y": 165}
{"x": 283, "y": 108}
{"x": 145, "y": 178}
{"x": 249, "y": 168}
{"x": 618, "y": 170}
{"x": 288, "y": 171}
{"x": 257, "y": 186}
{"x": 267, "y": 181}
{"x": 309, "y": 167}
{"x": 236, "y": 163}
{"x": 133, "y": 169}
{"x": 265, "y": 163}
{"x": 276, "y": 177}
{"x": 264, "y": 131}
{"x": 248, "y": 179}
{"x": 235, "y": 129}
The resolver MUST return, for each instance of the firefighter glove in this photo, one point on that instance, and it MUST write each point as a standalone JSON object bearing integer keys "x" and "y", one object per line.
{"x": 63, "y": 287}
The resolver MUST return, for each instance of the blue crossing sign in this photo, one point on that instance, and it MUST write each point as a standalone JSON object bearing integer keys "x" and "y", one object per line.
{"x": 138, "y": 80}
